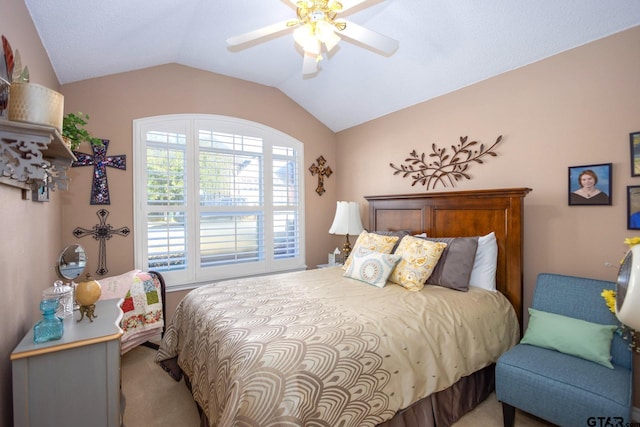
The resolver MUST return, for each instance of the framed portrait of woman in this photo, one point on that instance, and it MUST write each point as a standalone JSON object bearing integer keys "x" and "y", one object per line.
{"x": 590, "y": 185}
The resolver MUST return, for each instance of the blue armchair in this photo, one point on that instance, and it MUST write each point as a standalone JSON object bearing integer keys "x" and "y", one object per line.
{"x": 558, "y": 387}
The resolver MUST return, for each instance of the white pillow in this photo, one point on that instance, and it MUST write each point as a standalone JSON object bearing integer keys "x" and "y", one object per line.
{"x": 483, "y": 274}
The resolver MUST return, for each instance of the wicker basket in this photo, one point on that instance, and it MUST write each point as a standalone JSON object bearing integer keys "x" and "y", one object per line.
{"x": 32, "y": 103}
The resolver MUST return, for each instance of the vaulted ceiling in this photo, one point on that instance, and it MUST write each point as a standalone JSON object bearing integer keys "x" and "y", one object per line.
{"x": 443, "y": 45}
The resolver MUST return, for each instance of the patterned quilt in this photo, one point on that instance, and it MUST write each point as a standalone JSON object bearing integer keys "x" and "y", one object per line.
{"x": 314, "y": 348}
{"x": 141, "y": 306}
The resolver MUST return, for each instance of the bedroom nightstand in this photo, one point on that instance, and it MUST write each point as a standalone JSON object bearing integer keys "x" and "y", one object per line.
{"x": 328, "y": 265}
{"x": 75, "y": 380}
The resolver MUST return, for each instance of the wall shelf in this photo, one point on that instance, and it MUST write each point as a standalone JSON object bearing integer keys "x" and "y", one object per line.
{"x": 33, "y": 154}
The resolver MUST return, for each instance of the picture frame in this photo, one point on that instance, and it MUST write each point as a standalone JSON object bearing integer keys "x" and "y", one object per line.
{"x": 590, "y": 185}
{"x": 633, "y": 207}
{"x": 634, "y": 145}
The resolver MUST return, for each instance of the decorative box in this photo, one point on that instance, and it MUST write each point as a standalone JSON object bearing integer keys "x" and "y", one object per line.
{"x": 32, "y": 103}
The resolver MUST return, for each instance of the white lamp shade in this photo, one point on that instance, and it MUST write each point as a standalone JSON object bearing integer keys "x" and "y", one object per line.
{"x": 347, "y": 219}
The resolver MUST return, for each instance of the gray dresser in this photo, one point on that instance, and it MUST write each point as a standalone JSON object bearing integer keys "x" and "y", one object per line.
{"x": 74, "y": 381}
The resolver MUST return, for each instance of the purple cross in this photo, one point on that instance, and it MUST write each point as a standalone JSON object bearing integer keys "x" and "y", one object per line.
{"x": 100, "y": 161}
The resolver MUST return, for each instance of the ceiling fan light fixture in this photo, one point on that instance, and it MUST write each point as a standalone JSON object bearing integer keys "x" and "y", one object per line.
{"x": 324, "y": 31}
{"x": 305, "y": 37}
{"x": 332, "y": 42}
{"x": 317, "y": 25}
{"x": 312, "y": 35}
{"x": 316, "y": 16}
{"x": 340, "y": 24}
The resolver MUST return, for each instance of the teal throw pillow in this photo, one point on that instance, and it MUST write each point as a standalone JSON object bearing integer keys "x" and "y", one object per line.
{"x": 590, "y": 341}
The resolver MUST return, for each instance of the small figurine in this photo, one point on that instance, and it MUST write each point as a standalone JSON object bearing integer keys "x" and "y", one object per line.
{"x": 87, "y": 293}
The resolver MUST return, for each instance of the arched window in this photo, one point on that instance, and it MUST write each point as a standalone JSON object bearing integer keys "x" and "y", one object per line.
{"x": 216, "y": 197}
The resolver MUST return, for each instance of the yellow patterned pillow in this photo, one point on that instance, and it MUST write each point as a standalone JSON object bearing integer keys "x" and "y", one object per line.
{"x": 372, "y": 242}
{"x": 419, "y": 258}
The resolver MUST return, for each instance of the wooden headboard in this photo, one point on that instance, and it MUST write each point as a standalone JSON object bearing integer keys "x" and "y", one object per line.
{"x": 459, "y": 214}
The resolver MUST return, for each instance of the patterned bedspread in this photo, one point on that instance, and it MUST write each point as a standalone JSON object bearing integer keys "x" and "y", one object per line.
{"x": 314, "y": 348}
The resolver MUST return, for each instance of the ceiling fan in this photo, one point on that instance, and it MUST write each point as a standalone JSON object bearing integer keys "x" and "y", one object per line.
{"x": 318, "y": 25}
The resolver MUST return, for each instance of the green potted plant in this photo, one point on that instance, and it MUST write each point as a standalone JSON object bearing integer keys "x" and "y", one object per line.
{"x": 74, "y": 131}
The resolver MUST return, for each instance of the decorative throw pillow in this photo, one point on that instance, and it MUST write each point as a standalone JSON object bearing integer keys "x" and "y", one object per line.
{"x": 400, "y": 235}
{"x": 371, "y": 267}
{"x": 483, "y": 274}
{"x": 419, "y": 258}
{"x": 587, "y": 340}
{"x": 453, "y": 270}
{"x": 373, "y": 242}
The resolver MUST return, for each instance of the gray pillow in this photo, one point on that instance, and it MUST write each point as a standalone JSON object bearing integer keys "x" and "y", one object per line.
{"x": 453, "y": 270}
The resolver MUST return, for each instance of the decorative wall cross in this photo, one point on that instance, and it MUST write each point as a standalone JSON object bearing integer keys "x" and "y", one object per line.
{"x": 102, "y": 232}
{"x": 321, "y": 170}
{"x": 100, "y": 161}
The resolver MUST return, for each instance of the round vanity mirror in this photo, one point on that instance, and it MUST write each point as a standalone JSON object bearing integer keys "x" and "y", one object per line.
{"x": 72, "y": 262}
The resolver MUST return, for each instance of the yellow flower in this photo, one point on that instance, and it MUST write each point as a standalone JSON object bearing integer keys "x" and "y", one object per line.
{"x": 610, "y": 298}
{"x": 632, "y": 241}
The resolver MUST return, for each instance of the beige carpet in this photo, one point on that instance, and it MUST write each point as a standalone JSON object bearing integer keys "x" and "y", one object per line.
{"x": 154, "y": 399}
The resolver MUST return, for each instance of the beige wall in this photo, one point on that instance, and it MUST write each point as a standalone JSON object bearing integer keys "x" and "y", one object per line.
{"x": 113, "y": 102}
{"x": 576, "y": 108}
{"x": 30, "y": 233}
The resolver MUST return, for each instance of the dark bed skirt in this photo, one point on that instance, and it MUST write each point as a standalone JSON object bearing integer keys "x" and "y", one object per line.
{"x": 445, "y": 407}
{"x": 441, "y": 409}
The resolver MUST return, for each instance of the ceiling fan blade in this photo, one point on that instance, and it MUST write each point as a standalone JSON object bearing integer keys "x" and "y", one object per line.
{"x": 309, "y": 64}
{"x": 259, "y": 33}
{"x": 350, "y": 4}
{"x": 376, "y": 41}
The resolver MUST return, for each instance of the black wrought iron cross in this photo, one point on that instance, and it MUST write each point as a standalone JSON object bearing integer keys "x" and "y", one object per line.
{"x": 102, "y": 232}
{"x": 321, "y": 170}
{"x": 100, "y": 161}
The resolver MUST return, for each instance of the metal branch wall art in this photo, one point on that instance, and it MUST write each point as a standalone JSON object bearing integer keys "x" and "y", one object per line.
{"x": 321, "y": 170}
{"x": 440, "y": 167}
{"x": 102, "y": 232}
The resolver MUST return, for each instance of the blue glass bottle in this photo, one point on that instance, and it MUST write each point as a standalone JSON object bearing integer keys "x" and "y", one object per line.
{"x": 50, "y": 328}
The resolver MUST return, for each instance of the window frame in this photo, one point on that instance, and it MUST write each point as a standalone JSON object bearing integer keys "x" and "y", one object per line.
{"x": 194, "y": 275}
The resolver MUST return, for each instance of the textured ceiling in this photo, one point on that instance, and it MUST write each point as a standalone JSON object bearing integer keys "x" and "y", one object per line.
{"x": 444, "y": 45}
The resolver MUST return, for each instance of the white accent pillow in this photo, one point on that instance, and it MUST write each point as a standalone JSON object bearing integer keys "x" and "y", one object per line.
{"x": 483, "y": 274}
{"x": 371, "y": 267}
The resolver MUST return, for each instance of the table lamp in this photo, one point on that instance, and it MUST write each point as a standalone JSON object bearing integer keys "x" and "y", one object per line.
{"x": 347, "y": 221}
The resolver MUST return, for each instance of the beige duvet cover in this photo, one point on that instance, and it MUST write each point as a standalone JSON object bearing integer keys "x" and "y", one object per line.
{"x": 314, "y": 348}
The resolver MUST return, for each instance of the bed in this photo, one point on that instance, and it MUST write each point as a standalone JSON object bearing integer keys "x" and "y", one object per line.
{"x": 316, "y": 348}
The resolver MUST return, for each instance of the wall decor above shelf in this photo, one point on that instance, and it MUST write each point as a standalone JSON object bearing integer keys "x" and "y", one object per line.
{"x": 31, "y": 155}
